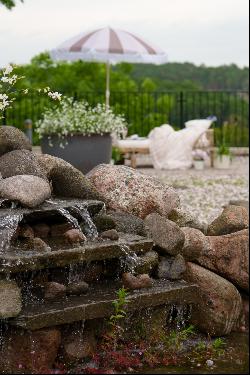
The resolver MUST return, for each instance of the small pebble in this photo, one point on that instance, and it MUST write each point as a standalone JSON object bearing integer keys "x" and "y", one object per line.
{"x": 54, "y": 291}
{"x": 78, "y": 288}
{"x": 110, "y": 234}
{"x": 74, "y": 235}
{"x": 209, "y": 363}
{"x": 136, "y": 282}
{"x": 40, "y": 245}
{"x": 25, "y": 231}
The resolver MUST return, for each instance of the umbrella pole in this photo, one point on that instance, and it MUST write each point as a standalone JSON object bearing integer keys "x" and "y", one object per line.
{"x": 107, "y": 84}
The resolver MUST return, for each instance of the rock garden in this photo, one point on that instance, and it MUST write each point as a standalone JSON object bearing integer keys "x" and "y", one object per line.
{"x": 106, "y": 272}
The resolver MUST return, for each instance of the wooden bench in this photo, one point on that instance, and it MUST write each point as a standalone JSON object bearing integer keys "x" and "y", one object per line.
{"x": 141, "y": 147}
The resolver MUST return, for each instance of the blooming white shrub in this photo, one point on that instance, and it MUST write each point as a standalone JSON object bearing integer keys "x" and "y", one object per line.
{"x": 78, "y": 117}
{"x": 8, "y": 91}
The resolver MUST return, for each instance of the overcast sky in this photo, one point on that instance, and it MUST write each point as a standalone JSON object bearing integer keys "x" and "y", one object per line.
{"x": 213, "y": 32}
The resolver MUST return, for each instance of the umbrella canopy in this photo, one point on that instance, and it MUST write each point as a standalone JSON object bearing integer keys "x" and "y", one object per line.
{"x": 110, "y": 46}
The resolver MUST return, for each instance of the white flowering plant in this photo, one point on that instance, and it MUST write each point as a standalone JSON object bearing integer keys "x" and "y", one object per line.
{"x": 78, "y": 117}
{"x": 8, "y": 90}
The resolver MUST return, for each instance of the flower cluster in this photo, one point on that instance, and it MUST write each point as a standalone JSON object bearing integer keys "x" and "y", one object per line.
{"x": 78, "y": 117}
{"x": 7, "y": 91}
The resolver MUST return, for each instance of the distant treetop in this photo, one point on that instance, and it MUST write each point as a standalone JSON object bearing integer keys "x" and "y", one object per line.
{"x": 9, "y": 3}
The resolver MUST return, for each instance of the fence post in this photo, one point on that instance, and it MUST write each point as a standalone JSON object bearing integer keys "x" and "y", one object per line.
{"x": 4, "y": 117}
{"x": 181, "y": 100}
{"x": 28, "y": 130}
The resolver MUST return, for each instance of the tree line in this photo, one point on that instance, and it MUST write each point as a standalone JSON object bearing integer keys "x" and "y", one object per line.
{"x": 147, "y": 95}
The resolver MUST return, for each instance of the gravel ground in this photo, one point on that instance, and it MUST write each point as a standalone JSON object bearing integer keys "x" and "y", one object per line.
{"x": 203, "y": 193}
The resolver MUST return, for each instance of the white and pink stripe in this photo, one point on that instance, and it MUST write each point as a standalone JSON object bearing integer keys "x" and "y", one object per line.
{"x": 109, "y": 45}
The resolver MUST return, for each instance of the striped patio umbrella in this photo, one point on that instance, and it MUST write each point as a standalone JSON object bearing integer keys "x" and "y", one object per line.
{"x": 110, "y": 46}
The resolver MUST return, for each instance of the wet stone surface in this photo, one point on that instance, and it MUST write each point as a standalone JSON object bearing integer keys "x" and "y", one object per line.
{"x": 17, "y": 261}
{"x": 97, "y": 303}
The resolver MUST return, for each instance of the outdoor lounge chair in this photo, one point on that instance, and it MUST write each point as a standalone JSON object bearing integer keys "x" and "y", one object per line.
{"x": 134, "y": 146}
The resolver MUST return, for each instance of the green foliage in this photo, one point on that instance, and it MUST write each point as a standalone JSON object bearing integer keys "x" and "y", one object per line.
{"x": 226, "y": 77}
{"x": 119, "y": 305}
{"x": 175, "y": 339}
{"x": 233, "y": 135}
{"x": 201, "y": 346}
{"x": 139, "y": 92}
{"x": 77, "y": 117}
{"x": 117, "y": 156}
{"x": 218, "y": 343}
{"x": 223, "y": 150}
{"x": 9, "y": 4}
{"x": 148, "y": 85}
{"x": 215, "y": 347}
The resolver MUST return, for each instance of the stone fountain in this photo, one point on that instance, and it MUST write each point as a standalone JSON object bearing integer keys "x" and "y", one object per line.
{"x": 65, "y": 251}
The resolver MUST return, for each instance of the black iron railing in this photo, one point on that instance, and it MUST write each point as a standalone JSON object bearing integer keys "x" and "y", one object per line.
{"x": 146, "y": 110}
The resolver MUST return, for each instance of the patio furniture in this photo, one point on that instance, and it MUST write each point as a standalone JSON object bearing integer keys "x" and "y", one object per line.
{"x": 131, "y": 148}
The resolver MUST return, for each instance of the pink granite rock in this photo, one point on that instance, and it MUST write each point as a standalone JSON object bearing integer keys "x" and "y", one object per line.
{"x": 228, "y": 256}
{"x": 219, "y": 308}
{"x": 125, "y": 189}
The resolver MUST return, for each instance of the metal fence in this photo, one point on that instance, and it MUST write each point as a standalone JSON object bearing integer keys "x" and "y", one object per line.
{"x": 146, "y": 110}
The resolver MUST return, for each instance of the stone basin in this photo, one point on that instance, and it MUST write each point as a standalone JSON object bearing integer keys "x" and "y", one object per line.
{"x": 14, "y": 261}
{"x": 97, "y": 303}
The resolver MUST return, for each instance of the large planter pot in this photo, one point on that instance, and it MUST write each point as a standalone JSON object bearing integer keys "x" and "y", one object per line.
{"x": 222, "y": 162}
{"x": 83, "y": 152}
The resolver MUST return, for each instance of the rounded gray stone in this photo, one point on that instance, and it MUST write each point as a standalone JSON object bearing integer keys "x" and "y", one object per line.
{"x": 178, "y": 267}
{"x": 20, "y": 162}
{"x": 232, "y": 219}
{"x": 11, "y": 139}
{"x": 147, "y": 262}
{"x": 185, "y": 219}
{"x": 29, "y": 191}
{"x": 127, "y": 223}
{"x": 165, "y": 233}
{"x": 195, "y": 243}
{"x": 67, "y": 181}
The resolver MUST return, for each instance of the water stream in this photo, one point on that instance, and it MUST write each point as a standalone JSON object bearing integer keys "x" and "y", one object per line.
{"x": 8, "y": 226}
{"x": 130, "y": 259}
{"x": 71, "y": 219}
{"x": 89, "y": 227}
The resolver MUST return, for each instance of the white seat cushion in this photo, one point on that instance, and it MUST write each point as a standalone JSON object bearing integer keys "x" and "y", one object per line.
{"x": 133, "y": 143}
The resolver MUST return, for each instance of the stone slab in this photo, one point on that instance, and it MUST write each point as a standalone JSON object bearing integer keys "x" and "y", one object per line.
{"x": 49, "y": 208}
{"x": 15, "y": 261}
{"x": 97, "y": 303}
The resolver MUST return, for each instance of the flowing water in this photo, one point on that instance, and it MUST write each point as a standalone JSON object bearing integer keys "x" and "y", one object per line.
{"x": 87, "y": 224}
{"x": 179, "y": 315}
{"x": 8, "y": 226}
{"x": 71, "y": 219}
{"x": 89, "y": 227}
{"x": 130, "y": 259}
